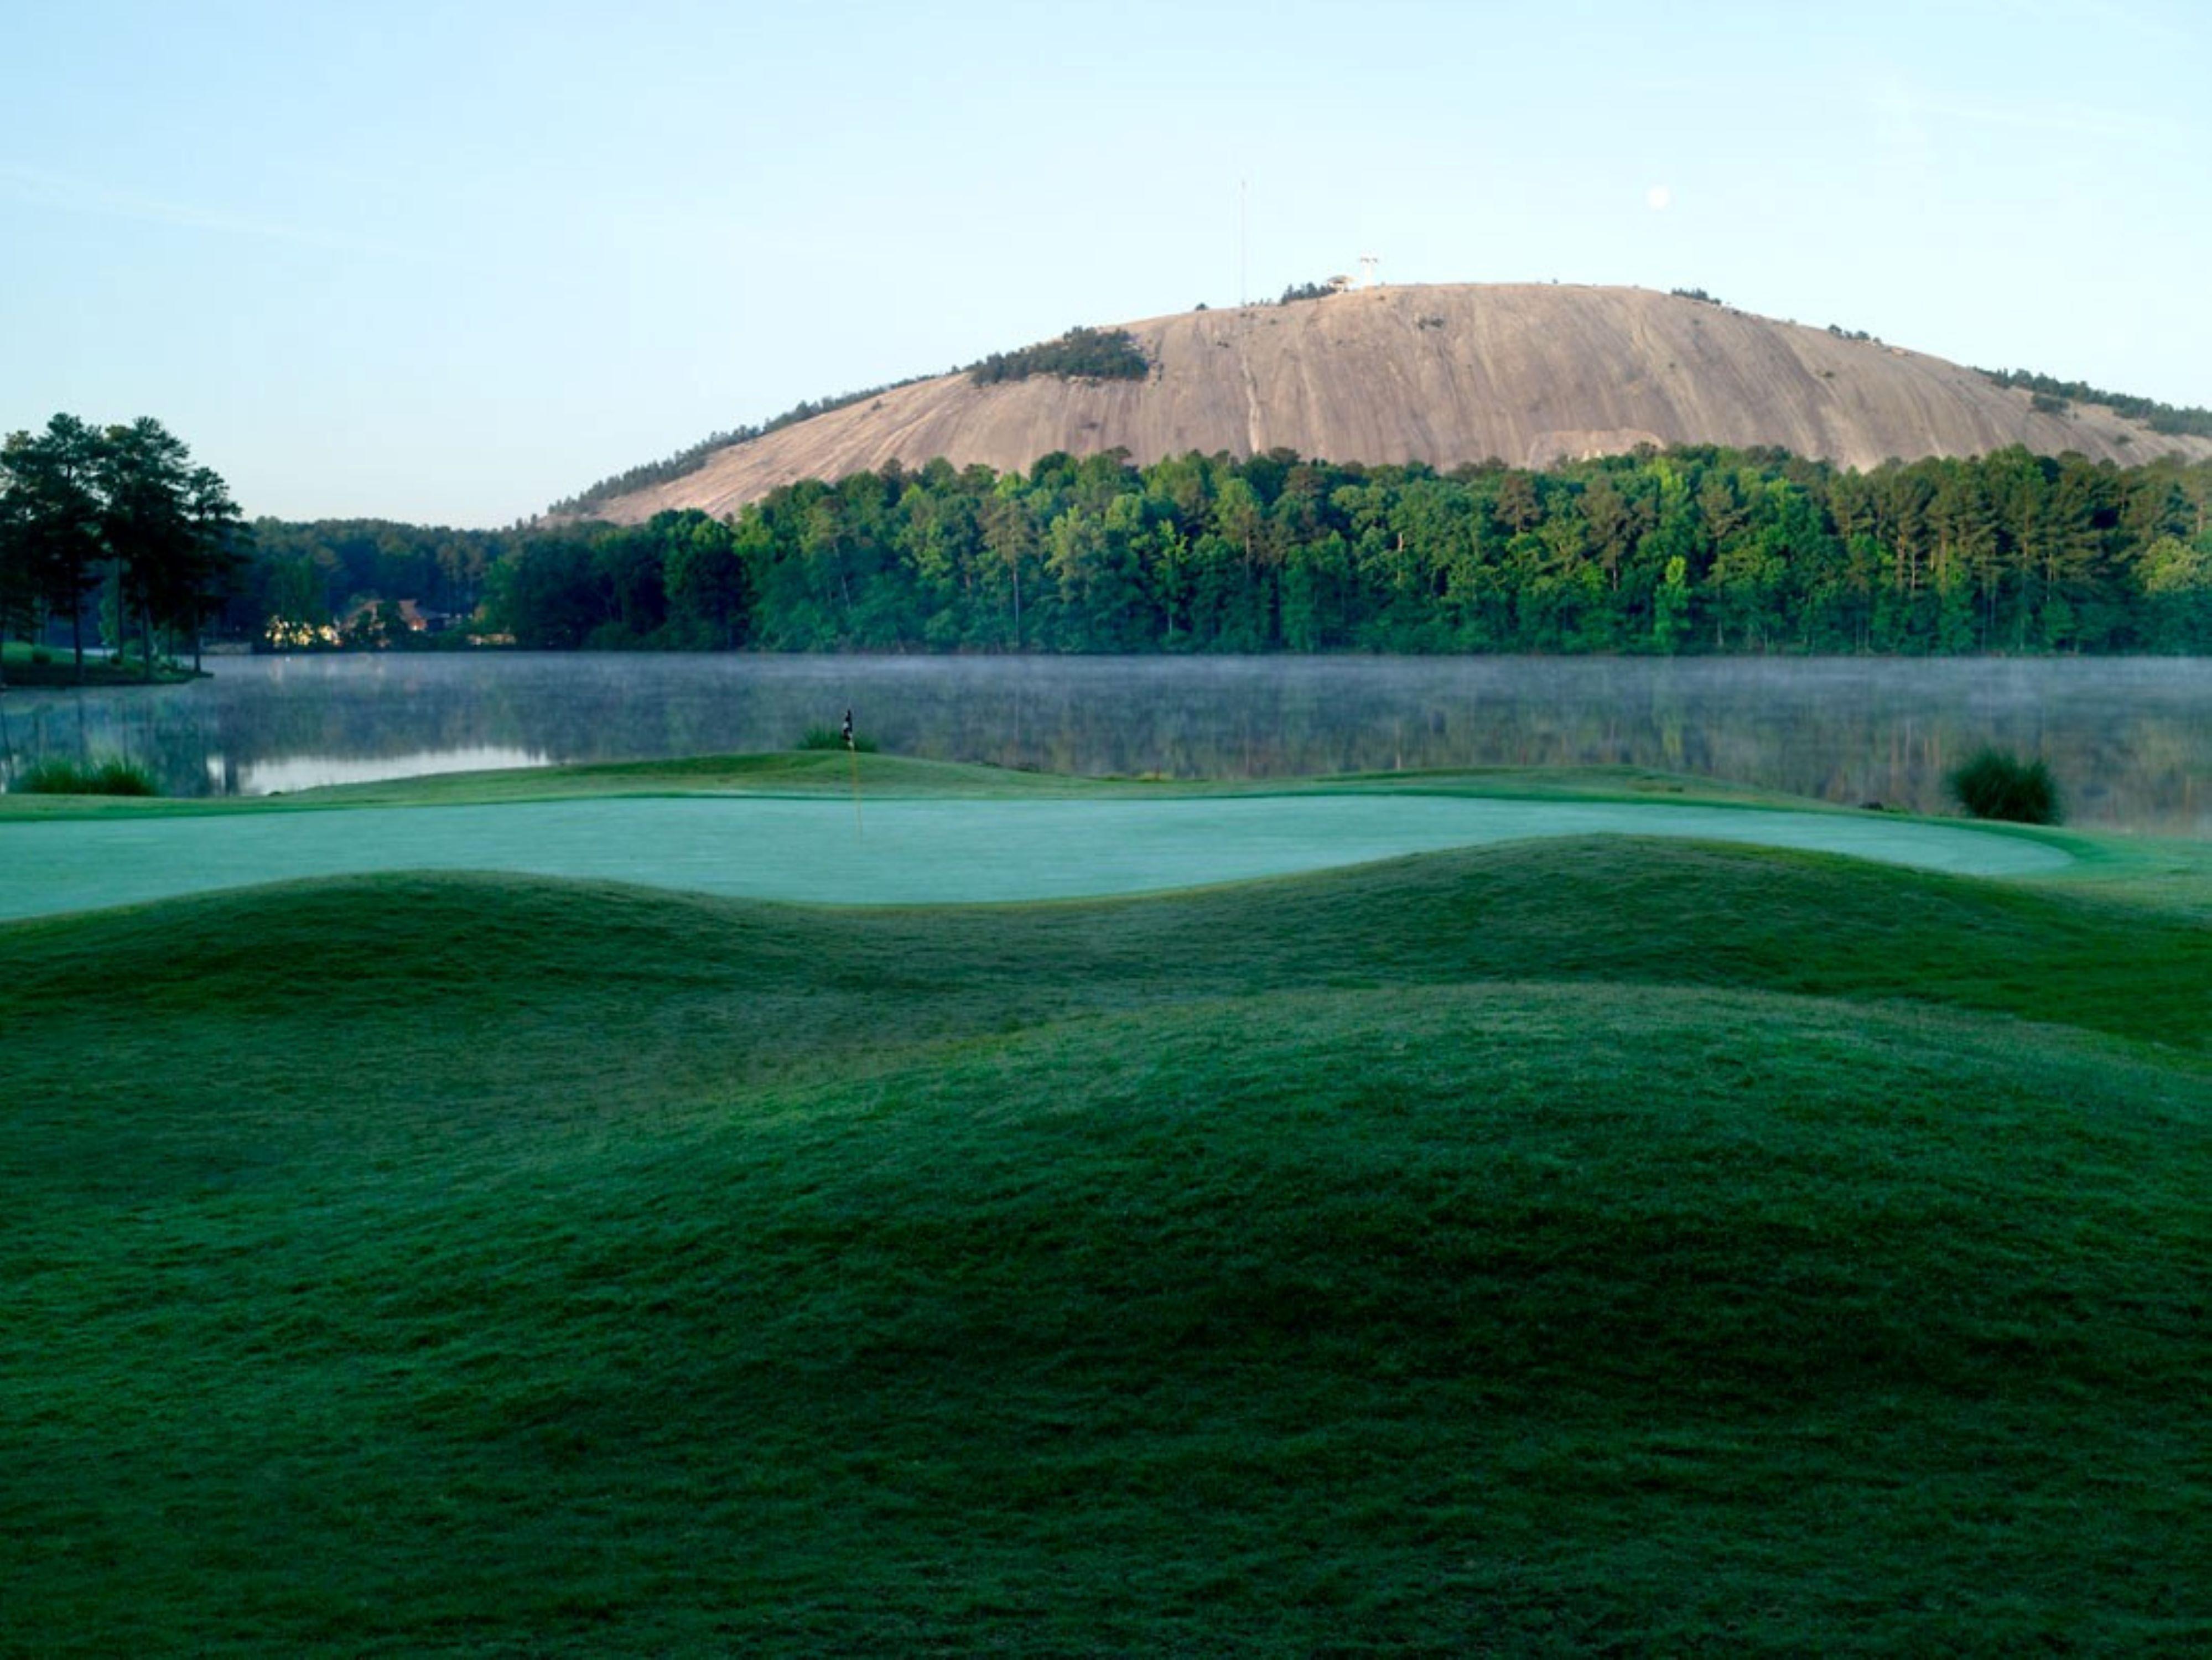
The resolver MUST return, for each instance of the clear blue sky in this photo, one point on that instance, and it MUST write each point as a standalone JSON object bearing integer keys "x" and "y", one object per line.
{"x": 448, "y": 262}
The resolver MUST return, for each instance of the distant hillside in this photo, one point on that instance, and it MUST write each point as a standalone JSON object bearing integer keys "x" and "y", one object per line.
{"x": 1528, "y": 373}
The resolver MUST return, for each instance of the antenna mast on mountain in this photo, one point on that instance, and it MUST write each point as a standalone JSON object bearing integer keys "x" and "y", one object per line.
{"x": 1368, "y": 279}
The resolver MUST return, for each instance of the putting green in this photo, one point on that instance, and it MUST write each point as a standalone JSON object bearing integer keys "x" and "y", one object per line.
{"x": 904, "y": 851}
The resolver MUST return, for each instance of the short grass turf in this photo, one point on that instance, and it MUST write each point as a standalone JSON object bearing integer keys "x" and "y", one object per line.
{"x": 1597, "y": 1247}
{"x": 909, "y": 851}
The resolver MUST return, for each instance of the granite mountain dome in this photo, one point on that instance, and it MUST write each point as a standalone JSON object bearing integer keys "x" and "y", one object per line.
{"x": 1527, "y": 373}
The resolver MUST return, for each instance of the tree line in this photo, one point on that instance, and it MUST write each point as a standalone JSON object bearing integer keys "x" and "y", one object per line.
{"x": 1694, "y": 550}
{"x": 2053, "y": 395}
{"x": 122, "y": 508}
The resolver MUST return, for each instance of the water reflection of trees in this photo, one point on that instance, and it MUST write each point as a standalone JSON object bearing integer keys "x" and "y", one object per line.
{"x": 2130, "y": 739}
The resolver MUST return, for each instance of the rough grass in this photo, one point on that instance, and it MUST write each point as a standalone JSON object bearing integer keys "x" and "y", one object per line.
{"x": 1564, "y": 1248}
{"x": 833, "y": 738}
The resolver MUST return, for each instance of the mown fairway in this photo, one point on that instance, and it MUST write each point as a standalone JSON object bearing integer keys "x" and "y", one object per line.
{"x": 1593, "y": 1246}
{"x": 932, "y": 851}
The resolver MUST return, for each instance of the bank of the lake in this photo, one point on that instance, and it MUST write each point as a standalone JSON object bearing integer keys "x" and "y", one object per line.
{"x": 2130, "y": 740}
{"x": 27, "y": 667}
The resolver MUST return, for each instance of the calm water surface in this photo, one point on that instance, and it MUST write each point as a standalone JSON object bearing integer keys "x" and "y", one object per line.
{"x": 2129, "y": 739}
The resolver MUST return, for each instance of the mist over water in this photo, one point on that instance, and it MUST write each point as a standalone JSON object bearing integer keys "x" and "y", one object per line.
{"x": 2129, "y": 739}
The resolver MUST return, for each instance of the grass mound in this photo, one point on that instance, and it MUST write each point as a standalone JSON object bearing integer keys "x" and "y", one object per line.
{"x": 1411, "y": 1259}
{"x": 112, "y": 776}
{"x": 1993, "y": 784}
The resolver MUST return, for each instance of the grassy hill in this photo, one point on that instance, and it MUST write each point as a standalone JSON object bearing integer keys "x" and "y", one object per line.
{"x": 1565, "y": 1248}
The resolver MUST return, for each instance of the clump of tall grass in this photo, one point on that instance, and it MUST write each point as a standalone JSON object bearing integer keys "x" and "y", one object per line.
{"x": 1994, "y": 783}
{"x": 828, "y": 737}
{"x": 112, "y": 776}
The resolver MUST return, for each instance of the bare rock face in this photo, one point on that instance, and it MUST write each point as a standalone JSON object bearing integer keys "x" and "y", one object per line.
{"x": 1527, "y": 374}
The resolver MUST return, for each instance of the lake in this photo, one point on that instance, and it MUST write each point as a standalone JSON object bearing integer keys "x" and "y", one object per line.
{"x": 2129, "y": 739}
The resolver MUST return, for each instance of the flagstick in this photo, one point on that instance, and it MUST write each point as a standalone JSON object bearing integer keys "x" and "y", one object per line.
{"x": 859, "y": 832}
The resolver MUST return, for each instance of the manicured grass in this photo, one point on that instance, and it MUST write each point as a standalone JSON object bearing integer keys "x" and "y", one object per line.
{"x": 905, "y": 851}
{"x": 1562, "y": 1248}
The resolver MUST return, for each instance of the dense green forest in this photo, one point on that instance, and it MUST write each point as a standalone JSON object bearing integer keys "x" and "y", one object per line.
{"x": 1689, "y": 551}
{"x": 341, "y": 581}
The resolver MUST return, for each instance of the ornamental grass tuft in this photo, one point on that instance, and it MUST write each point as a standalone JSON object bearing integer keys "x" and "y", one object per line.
{"x": 1996, "y": 784}
{"x": 111, "y": 777}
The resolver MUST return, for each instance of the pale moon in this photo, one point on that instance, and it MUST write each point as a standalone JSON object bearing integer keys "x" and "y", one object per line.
{"x": 1659, "y": 197}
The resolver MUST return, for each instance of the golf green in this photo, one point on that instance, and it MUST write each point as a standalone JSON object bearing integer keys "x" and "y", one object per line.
{"x": 903, "y": 850}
